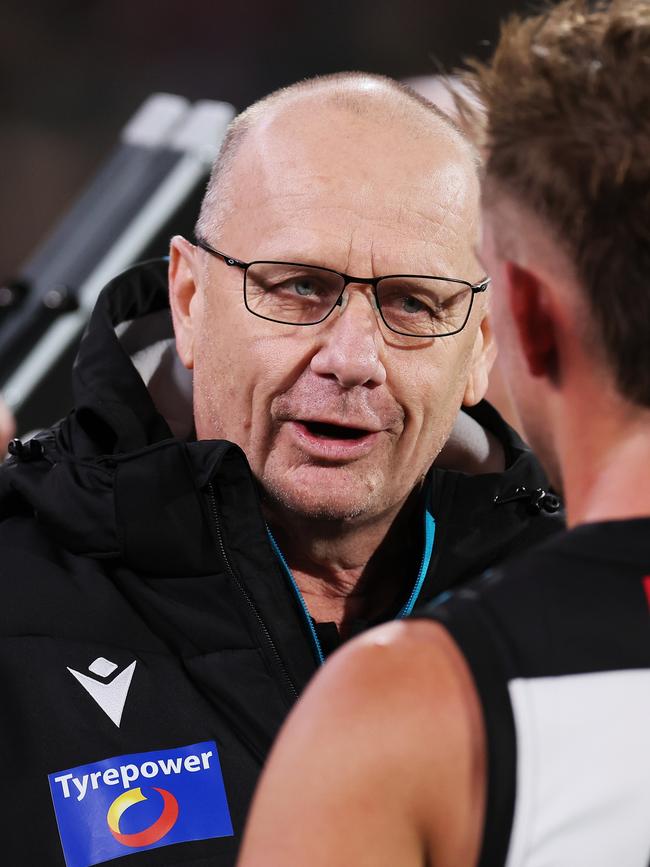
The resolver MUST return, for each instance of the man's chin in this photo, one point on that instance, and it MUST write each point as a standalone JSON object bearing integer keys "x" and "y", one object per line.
{"x": 322, "y": 499}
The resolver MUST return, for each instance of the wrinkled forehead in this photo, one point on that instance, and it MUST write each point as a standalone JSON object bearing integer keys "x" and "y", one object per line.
{"x": 317, "y": 176}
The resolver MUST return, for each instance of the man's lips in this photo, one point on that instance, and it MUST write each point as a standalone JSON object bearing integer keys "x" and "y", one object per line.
{"x": 332, "y": 440}
{"x": 336, "y": 429}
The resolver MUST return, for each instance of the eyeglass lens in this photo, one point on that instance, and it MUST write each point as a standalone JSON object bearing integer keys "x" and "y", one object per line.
{"x": 304, "y": 295}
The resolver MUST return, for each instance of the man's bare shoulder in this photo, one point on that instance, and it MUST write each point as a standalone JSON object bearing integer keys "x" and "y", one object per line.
{"x": 390, "y": 731}
{"x": 415, "y": 659}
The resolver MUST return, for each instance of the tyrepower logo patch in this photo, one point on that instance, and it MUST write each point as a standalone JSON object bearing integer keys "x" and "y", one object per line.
{"x": 133, "y": 803}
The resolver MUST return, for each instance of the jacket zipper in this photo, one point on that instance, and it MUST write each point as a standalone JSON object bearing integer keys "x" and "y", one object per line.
{"x": 244, "y": 592}
{"x": 299, "y": 597}
{"x": 429, "y": 537}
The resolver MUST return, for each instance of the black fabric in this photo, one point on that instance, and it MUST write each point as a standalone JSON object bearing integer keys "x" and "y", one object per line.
{"x": 121, "y": 542}
{"x": 575, "y": 605}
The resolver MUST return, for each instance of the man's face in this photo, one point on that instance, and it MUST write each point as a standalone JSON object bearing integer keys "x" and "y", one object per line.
{"x": 338, "y": 420}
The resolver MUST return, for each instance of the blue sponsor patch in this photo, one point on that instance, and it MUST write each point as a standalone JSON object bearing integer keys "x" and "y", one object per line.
{"x": 133, "y": 803}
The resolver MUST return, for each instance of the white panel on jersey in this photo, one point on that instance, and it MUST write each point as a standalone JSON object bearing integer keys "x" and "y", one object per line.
{"x": 583, "y": 770}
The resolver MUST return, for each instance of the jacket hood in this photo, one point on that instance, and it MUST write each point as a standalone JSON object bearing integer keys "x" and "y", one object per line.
{"x": 112, "y": 480}
{"x": 121, "y": 477}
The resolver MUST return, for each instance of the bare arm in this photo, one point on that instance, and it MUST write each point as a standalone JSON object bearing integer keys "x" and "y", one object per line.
{"x": 382, "y": 763}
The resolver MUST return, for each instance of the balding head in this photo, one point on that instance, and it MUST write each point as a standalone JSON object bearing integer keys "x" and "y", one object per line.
{"x": 359, "y": 94}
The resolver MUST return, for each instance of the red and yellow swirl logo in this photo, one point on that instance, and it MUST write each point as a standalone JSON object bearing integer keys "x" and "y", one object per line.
{"x": 156, "y": 831}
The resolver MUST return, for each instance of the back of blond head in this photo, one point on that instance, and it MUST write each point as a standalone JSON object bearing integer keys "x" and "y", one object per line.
{"x": 567, "y": 133}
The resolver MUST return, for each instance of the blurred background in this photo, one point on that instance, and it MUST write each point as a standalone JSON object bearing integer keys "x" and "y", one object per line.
{"x": 74, "y": 71}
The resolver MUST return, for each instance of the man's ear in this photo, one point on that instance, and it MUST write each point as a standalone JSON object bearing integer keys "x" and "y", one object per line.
{"x": 483, "y": 356}
{"x": 183, "y": 296}
{"x": 530, "y": 306}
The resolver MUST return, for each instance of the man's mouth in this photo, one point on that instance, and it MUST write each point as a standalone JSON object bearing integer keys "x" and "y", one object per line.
{"x": 334, "y": 431}
{"x": 331, "y": 442}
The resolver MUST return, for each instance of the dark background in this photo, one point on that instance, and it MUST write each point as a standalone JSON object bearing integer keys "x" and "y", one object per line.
{"x": 72, "y": 72}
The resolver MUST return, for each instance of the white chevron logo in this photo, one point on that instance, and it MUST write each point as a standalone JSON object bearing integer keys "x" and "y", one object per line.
{"x": 111, "y": 697}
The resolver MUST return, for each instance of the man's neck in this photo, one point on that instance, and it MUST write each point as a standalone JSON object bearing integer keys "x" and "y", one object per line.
{"x": 347, "y": 570}
{"x": 606, "y": 465}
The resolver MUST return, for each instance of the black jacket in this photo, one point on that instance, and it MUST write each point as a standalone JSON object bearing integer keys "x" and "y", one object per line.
{"x": 128, "y": 553}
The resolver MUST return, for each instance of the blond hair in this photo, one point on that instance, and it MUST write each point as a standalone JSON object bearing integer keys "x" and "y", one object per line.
{"x": 567, "y": 133}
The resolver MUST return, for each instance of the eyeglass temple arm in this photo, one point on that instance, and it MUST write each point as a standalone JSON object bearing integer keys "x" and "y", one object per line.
{"x": 233, "y": 262}
{"x": 482, "y": 286}
{"x": 214, "y": 252}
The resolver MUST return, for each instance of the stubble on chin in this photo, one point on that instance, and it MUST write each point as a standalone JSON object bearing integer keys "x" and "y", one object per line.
{"x": 334, "y": 499}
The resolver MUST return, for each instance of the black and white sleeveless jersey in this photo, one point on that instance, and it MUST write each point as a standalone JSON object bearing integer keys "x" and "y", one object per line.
{"x": 558, "y": 642}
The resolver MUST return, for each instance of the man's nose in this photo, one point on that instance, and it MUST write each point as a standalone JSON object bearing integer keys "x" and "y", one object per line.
{"x": 350, "y": 344}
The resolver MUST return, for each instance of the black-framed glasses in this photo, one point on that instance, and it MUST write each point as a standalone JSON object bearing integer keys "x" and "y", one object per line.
{"x": 411, "y": 305}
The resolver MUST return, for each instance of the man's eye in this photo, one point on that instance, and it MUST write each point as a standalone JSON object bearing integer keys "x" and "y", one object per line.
{"x": 304, "y": 287}
{"x": 411, "y": 304}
